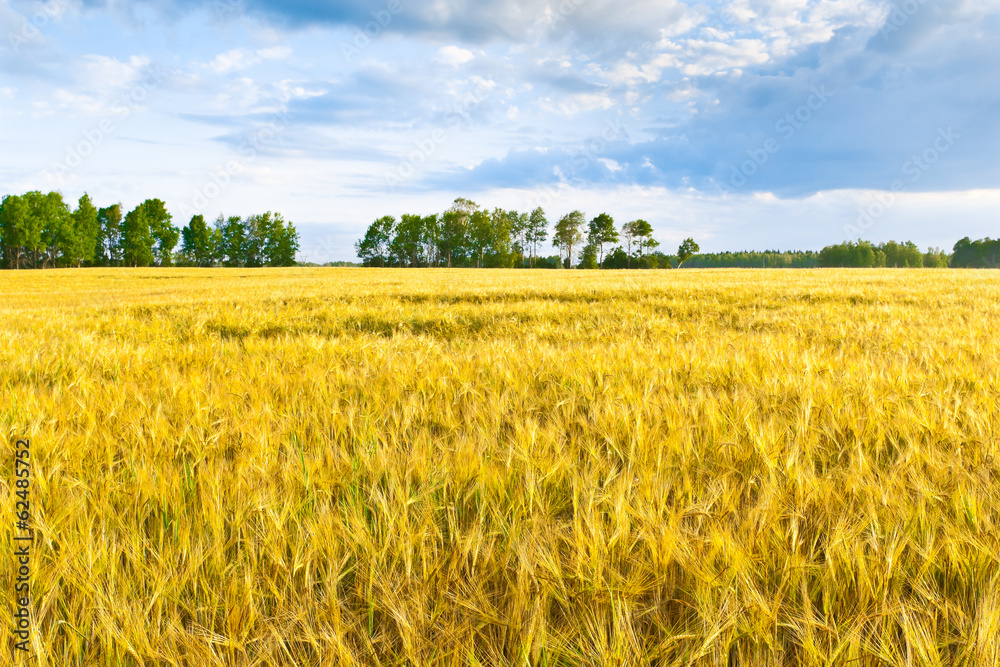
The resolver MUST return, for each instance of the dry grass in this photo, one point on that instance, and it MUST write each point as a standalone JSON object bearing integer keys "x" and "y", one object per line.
{"x": 388, "y": 467}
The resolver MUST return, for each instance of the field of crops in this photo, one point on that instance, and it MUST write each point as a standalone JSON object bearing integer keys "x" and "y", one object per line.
{"x": 555, "y": 468}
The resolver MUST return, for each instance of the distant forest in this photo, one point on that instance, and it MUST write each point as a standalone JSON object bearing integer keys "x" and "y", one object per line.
{"x": 468, "y": 236}
{"x": 40, "y": 231}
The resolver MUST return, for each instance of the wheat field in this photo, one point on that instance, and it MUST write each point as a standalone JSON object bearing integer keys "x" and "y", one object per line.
{"x": 478, "y": 468}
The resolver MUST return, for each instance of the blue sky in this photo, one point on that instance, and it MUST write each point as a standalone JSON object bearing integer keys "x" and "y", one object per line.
{"x": 750, "y": 124}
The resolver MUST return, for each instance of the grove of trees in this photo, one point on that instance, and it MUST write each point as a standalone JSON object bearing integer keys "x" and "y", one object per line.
{"x": 467, "y": 235}
{"x": 40, "y": 231}
{"x": 982, "y": 254}
{"x": 890, "y": 254}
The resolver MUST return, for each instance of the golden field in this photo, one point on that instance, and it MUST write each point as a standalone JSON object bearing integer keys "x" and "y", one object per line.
{"x": 554, "y": 468}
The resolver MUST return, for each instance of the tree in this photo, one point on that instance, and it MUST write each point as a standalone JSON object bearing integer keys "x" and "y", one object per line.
{"x": 454, "y": 235}
{"x": 137, "y": 241}
{"x": 617, "y": 259}
{"x": 480, "y": 235}
{"x": 902, "y": 255}
{"x": 981, "y": 254}
{"x": 33, "y": 225}
{"x": 282, "y": 242}
{"x": 87, "y": 228}
{"x": 431, "y": 238}
{"x": 518, "y": 235}
{"x": 375, "y": 248}
{"x": 408, "y": 242}
{"x": 629, "y": 234}
{"x": 501, "y": 232}
{"x": 232, "y": 240}
{"x": 164, "y": 233}
{"x": 14, "y": 221}
{"x": 647, "y": 243}
{"x": 602, "y": 230}
{"x": 686, "y": 251}
{"x": 588, "y": 258}
{"x": 196, "y": 243}
{"x": 59, "y": 238}
{"x": 640, "y": 234}
{"x": 935, "y": 258}
{"x": 255, "y": 227}
{"x": 568, "y": 234}
{"x": 536, "y": 232}
{"x": 110, "y": 236}
{"x": 861, "y": 254}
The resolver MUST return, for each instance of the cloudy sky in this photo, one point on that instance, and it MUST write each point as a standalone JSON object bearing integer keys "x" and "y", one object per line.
{"x": 747, "y": 125}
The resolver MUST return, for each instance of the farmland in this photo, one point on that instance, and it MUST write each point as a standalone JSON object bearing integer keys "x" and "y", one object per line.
{"x": 433, "y": 467}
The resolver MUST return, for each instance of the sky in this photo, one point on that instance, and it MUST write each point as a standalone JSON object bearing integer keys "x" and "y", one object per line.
{"x": 789, "y": 124}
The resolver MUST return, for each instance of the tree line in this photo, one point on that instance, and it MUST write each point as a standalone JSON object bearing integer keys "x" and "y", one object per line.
{"x": 863, "y": 254}
{"x": 467, "y": 235}
{"x": 40, "y": 231}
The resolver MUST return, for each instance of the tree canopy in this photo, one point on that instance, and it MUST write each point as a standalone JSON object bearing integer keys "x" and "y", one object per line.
{"x": 40, "y": 231}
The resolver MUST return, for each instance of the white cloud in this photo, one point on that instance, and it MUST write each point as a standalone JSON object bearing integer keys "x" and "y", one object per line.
{"x": 454, "y": 56}
{"x": 275, "y": 53}
{"x": 102, "y": 73}
{"x": 238, "y": 59}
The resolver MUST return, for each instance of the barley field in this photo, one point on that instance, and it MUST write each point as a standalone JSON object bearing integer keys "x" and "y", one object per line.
{"x": 480, "y": 468}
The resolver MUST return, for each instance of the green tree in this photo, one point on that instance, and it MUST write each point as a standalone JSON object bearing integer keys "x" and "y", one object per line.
{"x": 14, "y": 221}
{"x": 500, "y": 239}
{"x": 935, "y": 258}
{"x": 617, "y": 259}
{"x": 902, "y": 255}
{"x": 981, "y": 254}
{"x": 455, "y": 240}
{"x": 283, "y": 244}
{"x": 536, "y": 232}
{"x": 519, "y": 223}
{"x": 407, "y": 243}
{"x": 196, "y": 242}
{"x": 859, "y": 255}
{"x": 480, "y": 235}
{"x": 110, "y": 237}
{"x": 375, "y": 248}
{"x": 165, "y": 235}
{"x": 642, "y": 234}
{"x": 137, "y": 241}
{"x": 600, "y": 231}
{"x": 588, "y": 258}
{"x": 568, "y": 234}
{"x": 87, "y": 227}
{"x": 686, "y": 251}
{"x": 430, "y": 226}
{"x": 232, "y": 242}
{"x": 258, "y": 229}
{"x": 629, "y": 235}
{"x": 59, "y": 238}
